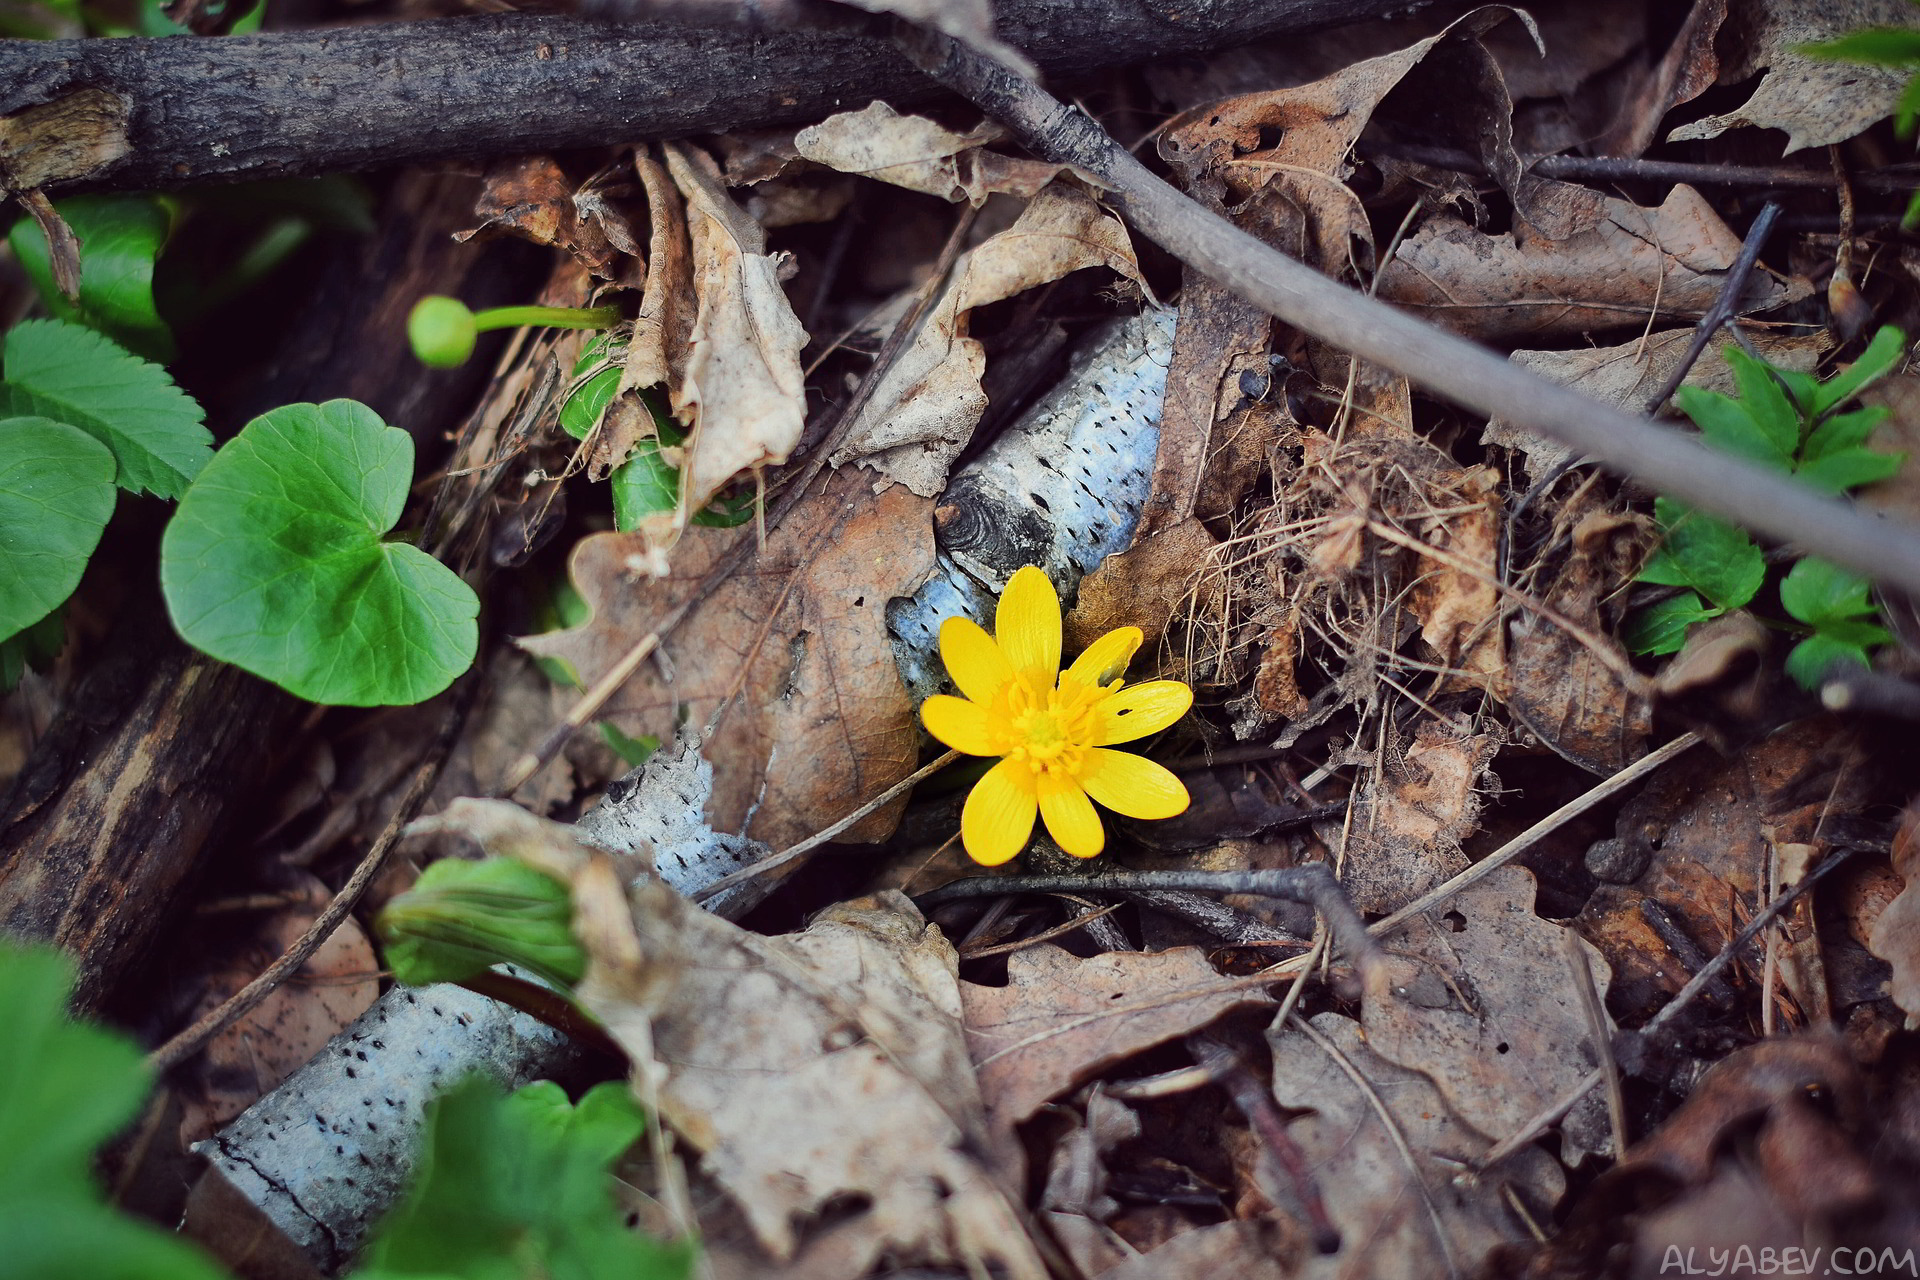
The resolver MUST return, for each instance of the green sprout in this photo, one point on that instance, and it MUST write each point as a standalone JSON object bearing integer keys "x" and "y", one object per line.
{"x": 443, "y": 330}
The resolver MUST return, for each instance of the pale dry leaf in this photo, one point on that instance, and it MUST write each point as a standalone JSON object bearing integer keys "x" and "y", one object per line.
{"x": 1483, "y": 1002}
{"x": 820, "y": 1068}
{"x": 1454, "y": 597}
{"x": 1412, "y": 813}
{"x": 743, "y": 398}
{"x": 1396, "y": 1220}
{"x": 1628, "y": 375}
{"x": 1061, "y": 1019}
{"x": 1816, "y": 102}
{"x": 926, "y": 405}
{"x": 1634, "y": 265}
{"x": 968, "y": 21}
{"x": 1896, "y": 934}
{"x": 916, "y": 153}
{"x": 663, "y": 328}
{"x": 791, "y": 656}
{"x": 1242, "y": 1249}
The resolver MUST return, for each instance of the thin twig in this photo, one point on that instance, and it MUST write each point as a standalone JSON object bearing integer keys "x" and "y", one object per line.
{"x": 1470, "y": 375}
{"x": 1060, "y": 930}
{"x": 1601, "y": 1032}
{"x": 240, "y": 1003}
{"x": 1630, "y": 169}
{"x": 1726, "y": 304}
{"x": 1255, "y": 1102}
{"x": 813, "y": 842}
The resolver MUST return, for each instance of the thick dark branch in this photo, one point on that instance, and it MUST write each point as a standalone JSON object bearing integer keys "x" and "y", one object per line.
{"x": 240, "y": 107}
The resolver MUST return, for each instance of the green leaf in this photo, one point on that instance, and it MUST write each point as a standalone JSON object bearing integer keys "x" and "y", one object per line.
{"x": 56, "y": 493}
{"x": 1820, "y": 593}
{"x": 71, "y": 374}
{"x": 35, "y": 647}
{"x": 1849, "y": 468}
{"x": 1873, "y": 46}
{"x": 1714, "y": 557}
{"x": 1813, "y": 657}
{"x": 633, "y": 751}
{"x": 596, "y": 380}
{"x": 1727, "y": 425}
{"x": 120, "y": 237}
{"x": 274, "y": 562}
{"x": 1662, "y": 627}
{"x": 65, "y": 1088}
{"x": 644, "y": 485}
{"x": 518, "y": 1187}
{"x": 1883, "y": 354}
{"x": 1765, "y": 402}
{"x": 1842, "y": 431}
{"x": 461, "y": 918}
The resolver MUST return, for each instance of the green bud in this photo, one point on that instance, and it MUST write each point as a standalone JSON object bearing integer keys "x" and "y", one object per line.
{"x": 462, "y": 918}
{"x": 442, "y": 331}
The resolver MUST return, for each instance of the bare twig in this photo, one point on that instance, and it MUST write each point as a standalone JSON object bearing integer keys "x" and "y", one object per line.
{"x": 1726, "y": 304}
{"x": 1600, "y": 1030}
{"x": 1631, "y": 169}
{"x": 1255, "y": 1102}
{"x": 1460, "y": 371}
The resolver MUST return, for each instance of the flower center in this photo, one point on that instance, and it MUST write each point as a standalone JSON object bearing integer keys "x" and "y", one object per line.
{"x": 1048, "y": 723}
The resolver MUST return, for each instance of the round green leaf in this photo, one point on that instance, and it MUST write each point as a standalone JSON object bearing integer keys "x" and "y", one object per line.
{"x": 56, "y": 492}
{"x": 274, "y": 562}
{"x": 120, "y": 237}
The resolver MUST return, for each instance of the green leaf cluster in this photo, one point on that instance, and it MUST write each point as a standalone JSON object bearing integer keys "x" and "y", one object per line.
{"x": 518, "y": 1188}
{"x": 1793, "y": 423}
{"x": 120, "y": 240}
{"x": 65, "y": 1088}
{"x": 648, "y": 482}
{"x": 461, "y": 918}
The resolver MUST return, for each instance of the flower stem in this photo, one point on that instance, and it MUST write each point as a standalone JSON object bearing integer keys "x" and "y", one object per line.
{"x": 546, "y": 318}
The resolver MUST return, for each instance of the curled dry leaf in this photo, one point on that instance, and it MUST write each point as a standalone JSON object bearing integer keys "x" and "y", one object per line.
{"x": 1631, "y": 374}
{"x": 1412, "y": 812}
{"x": 1896, "y": 934}
{"x": 742, "y": 395}
{"x": 1060, "y": 1019}
{"x": 1816, "y": 102}
{"x": 1632, "y": 265}
{"x": 1484, "y": 1004}
{"x": 790, "y": 656}
{"x": 926, "y": 405}
{"x": 1396, "y": 1220}
{"x": 914, "y": 152}
{"x": 533, "y": 198}
{"x": 820, "y": 1067}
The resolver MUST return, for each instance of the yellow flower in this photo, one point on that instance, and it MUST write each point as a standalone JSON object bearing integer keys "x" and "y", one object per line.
{"x": 1053, "y": 727}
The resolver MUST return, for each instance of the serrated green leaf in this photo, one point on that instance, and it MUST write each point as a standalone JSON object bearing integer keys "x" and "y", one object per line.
{"x": 56, "y": 494}
{"x": 1820, "y": 593}
{"x": 1706, "y": 553}
{"x": 274, "y": 562}
{"x": 1765, "y": 402}
{"x": 1842, "y": 431}
{"x": 1727, "y": 425}
{"x": 1813, "y": 657}
{"x": 461, "y": 918}
{"x": 35, "y": 647}
{"x": 509, "y": 1188}
{"x": 71, "y": 374}
{"x": 65, "y": 1088}
{"x": 1883, "y": 354}
{"x": 1849, "y": 468}
{"x": 1662, "y": 627}
{"x": 120, "y": 238}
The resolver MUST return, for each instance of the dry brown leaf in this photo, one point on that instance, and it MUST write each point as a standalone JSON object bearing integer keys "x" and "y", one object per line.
{"x": 1454, "y": 596}
{"x": 1485, "y": 1005}
{"x": 1634, "y": 264}
{"x": 1244, "y": 1249}
{"x": 1075, "y": 1205}
{"x": 913, "y": 152}
{"x": 294, "y": 1021}
{"x": 791, "y": 653}
{"x": 532, "y": 197}
{"x": 1145, "y": 586}
{"x": 1896, "y": 934}
{"x": 1396, "y": 1221}
{"x": 1630, "y": 374}
{"x": 1061, "y": 1019}
{"x": 1558, "y": 688}
{"x": 663, "y": 329}
{"x": 1815, "y": 102}
{"x": 742, "y": 397}
{"x": 1411, "y": 814}
{"x": 823, "y": 1067}
{"x": 927, "y": 404}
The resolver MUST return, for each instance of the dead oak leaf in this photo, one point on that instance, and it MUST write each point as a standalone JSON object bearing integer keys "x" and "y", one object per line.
{"x": 1061, "y": 1019}
{"x": 927, "y": 404}
{"x": 916, "y": 153}
{"x": 817, "y": 1068}
{"x": 790, "y": 655}
{"x": 743, "y": 396}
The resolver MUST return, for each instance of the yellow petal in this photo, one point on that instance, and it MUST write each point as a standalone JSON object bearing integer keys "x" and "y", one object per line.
{"x": 1027, "y": 623}
{"x": 1141, "y": 709}
{"x": 1070, "y": 818}
{"x": 960, "y": 724}
{"x": 974, "y": 661}
{"x": 998, "y": 816}
{"x": 1132, "y": 785}
{"x": 1106, "y": 657}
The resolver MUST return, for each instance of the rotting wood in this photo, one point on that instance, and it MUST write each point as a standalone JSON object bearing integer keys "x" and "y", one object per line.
{"x": 295, "y": 103}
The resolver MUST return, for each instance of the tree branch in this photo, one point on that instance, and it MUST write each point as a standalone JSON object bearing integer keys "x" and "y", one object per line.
{"x": 296, "y": 103}
{"x": 1467, "y": 374}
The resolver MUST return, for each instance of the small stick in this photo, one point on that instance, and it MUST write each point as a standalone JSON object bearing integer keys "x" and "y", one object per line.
{"x": 1058, "y": 931}
{"x": 1620, "y": 168}
{"x": 1255, "y": 1102}
{"x": 813, "y": 842}
{"x": 1602, "y": 1033}
{"x": 1851, "y": 688}
{"x": 1726, "y": 305}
